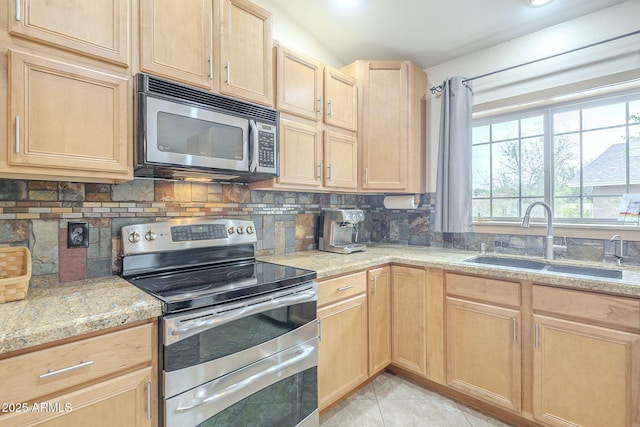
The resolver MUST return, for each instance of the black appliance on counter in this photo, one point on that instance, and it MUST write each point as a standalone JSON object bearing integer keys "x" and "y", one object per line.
{"x": 238, "y": 337}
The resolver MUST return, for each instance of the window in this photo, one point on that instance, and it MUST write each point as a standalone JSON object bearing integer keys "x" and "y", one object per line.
{"x": 579, "y": 158}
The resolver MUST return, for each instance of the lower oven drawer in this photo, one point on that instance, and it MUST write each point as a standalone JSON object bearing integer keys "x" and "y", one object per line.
{"x": 279, "y": 390}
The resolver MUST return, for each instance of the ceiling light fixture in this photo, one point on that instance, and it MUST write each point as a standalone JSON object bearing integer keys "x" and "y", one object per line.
{"x": 537, "y": 3}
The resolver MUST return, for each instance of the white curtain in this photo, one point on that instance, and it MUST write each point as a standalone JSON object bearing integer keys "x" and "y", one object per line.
{"x": 453, "y": 188}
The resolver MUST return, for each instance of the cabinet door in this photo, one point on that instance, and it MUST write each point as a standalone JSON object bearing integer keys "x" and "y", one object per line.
{"x": 409, "y": 318}
{"x": 341, "y": 100}
{"x": 300, "y": 154}
{"x": 299, "y": 84}
{"x": 96, "y": 28}
{"x": 379, "y": 301}
{"x": 341, "y": 160}
{"x": 175, "y": 40}
{"x": 483, "y": 349}
{"x": 585, "y": 375}
{"x": 342, "y": 352}
{"x": 126, "y": 400}
{"x": 384, "y": 125}
{"x": 67, "y": 120}
{"x": 246, "y": 57}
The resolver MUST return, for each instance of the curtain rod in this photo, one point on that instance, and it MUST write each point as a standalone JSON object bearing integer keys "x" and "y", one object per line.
{"x": 436, "y": 89}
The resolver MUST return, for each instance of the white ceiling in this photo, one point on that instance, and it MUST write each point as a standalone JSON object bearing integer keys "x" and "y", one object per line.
{"x": 428, "y": 32}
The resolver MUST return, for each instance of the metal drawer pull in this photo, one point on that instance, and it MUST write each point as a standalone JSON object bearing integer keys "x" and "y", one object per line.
{"x": 148, "y": 400}
{"x": 375, "y": 284}
{"x": 51, "y": 373}
{"x": 193, "y": 326}
{"x": 18, "y": 11}
{"x": 344, "y": 288}
{"x": 330, "y": 114}
{"x": 17, "y": 134}
{"x": 234, "y": 383}
{"x": 515, "y": 330}
{"x": 210, "y": 67}
{"x": 537, "y": 336}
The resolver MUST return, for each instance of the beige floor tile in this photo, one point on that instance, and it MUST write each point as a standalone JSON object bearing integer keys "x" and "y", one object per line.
{"x": 353, "y": 413}
{"x": 392, "y": 400}
{"x": 422, "y": 413}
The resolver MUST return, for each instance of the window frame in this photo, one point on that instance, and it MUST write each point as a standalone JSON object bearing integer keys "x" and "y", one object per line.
{"x": 547, "y": 112}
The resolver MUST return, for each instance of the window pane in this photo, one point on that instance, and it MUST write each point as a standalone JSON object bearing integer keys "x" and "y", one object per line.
{"x": 634, "y": 111}
{"x": 533, "y": 126}
{"x": 527, "y": 201}
{"x": 480, "y": 134}
{"x": 504, "y": 130}
{"x": 505, "y": 166}
{"x": 606, "y": 115}
{"x": 596, "y": 143}
{"x": 601, "y": 207}
{"x": 566, "y": 207}
{"x": 481, "y": 164}
{"x": 532, "y": 173}
{"x": 481, "y": 208}
{"x": 568, "y": 121}
{"x": 566, "y": 165}
{"x": 505, "y": 208}
{"x": 634, "y": 157}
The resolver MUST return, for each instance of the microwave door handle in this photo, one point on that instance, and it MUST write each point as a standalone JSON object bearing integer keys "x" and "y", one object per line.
{"x": 254, "y": 146}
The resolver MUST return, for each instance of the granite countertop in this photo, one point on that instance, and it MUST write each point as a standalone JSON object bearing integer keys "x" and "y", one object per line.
{"x": 51, "y": 313}
{"x": 328, "y": 264}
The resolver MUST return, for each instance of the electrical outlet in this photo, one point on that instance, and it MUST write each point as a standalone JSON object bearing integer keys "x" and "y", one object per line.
{"x": 78, "y": 235}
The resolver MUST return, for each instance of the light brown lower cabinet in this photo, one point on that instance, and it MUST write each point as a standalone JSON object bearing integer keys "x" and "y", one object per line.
{"x": 102, "y": 381}
{"x": 483, "y": 352}
{"x": 586, "y": 361}
{"x": 342, "y": 336}
{"x": 379, "y": 304}
{"x": 409, "y": 318}
{"x": 120, "y": 401}
{"x": 483, "y": 339}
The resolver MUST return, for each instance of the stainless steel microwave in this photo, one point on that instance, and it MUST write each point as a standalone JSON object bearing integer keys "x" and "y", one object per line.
{"x": 191, "y": 134}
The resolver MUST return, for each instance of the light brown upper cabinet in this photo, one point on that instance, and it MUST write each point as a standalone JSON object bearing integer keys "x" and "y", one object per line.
{"x": 318, "y": 144}
{"x": 311, "y": 90}
{"x": 299, "y": 83}
{"x": 66, "y": 121}
{"x": 99, "y": 29}
{"x": 175, "y": 40}
{"x": 391, "y": 125}
{"x": 245, "y": 45}
{"x": 224, "y": 46}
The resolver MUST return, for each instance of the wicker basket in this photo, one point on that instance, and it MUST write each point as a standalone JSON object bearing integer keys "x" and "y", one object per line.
{"x": 15, "y": 272}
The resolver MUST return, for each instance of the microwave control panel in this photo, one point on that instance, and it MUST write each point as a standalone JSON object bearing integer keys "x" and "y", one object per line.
{"x": 267, "y": 148}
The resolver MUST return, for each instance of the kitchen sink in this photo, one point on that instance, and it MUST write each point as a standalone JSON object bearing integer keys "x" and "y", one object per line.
{"x": 545, "y": 266}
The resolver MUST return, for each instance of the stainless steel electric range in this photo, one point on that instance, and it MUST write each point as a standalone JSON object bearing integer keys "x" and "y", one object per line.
{"x": 238, "y": 336}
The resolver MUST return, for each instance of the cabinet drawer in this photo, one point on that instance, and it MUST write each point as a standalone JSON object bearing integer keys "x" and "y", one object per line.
{"x": 39, "y": 373}
{"x": 493, "y": 291}
{"x": 341, "y": 287}
{"x": 607, "y": 310}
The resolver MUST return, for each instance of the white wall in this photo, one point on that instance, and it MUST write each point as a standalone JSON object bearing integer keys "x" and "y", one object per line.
{"x": 289, "y": 33}
{"x": 598, "y": 66}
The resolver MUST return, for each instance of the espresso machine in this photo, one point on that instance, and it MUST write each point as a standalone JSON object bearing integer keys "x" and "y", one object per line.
{"x": 338, "y": 230}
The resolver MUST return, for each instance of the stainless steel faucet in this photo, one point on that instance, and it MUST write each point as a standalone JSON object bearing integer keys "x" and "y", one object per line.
{"x": 620, "y": 257}
{"x": 548, "y": 253}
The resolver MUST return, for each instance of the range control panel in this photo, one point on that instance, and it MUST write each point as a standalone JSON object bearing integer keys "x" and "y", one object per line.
{"x": 185, "y": 234}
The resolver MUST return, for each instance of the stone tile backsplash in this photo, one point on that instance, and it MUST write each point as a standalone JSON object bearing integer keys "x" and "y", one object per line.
{"x": 36, "y": 213}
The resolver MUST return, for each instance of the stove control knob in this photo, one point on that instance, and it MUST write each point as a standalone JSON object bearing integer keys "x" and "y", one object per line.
{"x": 151, "y": 235}
{"x": 249, "y": 229}
{"x": 134, "y": 237}
{"x": 240, "y": 229}
{"x": 231, "y": 230}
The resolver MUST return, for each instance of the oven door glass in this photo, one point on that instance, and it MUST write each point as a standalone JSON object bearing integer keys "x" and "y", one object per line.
{"x": 180, "y": 134}
{"x": 210, "y": 343}
{"x": 278, "y": 391}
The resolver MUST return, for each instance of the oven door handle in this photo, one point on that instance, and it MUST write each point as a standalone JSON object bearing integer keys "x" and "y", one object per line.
{"x": 228, "y": 385}
{"x": 194, "y": 326}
